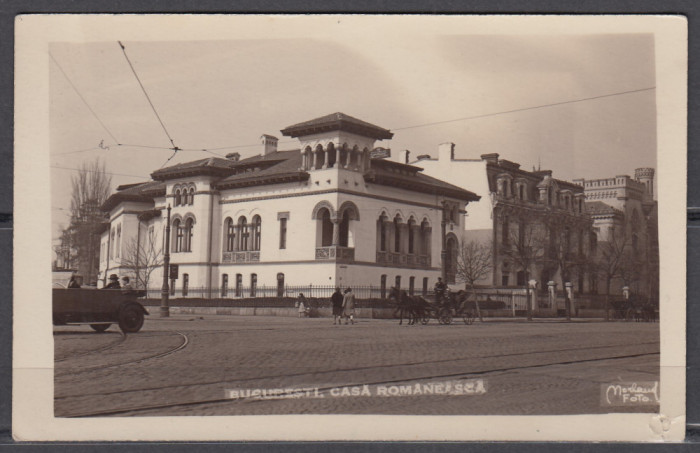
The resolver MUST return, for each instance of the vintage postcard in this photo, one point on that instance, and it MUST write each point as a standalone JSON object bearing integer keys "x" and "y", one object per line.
{"x": 347, "y": 227}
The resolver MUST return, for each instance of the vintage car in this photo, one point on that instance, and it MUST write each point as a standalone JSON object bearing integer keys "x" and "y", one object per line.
{"x": 100, "y": 308}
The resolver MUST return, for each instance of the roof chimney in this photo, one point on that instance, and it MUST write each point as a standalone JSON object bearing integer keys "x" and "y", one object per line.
{"x": 403, "y": 156}
{"x": 446, "y": 151}
{"x": 233, "y": 156}
{"x": 493, "y": 157}
{"x": 269, "y": 143}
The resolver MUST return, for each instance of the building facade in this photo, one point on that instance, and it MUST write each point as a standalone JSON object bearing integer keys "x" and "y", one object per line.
{"x": 537, "y": 226}
{"x": 625, "y": 218}
{"x": 327, "y": 213}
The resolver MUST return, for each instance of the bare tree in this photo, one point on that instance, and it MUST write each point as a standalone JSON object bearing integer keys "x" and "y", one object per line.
{"x": 142, "y": 258}
{"x": 525, "y": 248}
{"x": 91, "y": 188}
{"x": 611, "y": 259}
{"x": 474, "y": 262}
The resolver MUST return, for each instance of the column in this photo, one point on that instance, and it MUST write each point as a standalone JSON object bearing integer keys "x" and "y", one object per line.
{"x": 348, "y": 158}
{"x": 315, "y": 153}
{"x": 337, "y": 158}
{"x": 303, "y": 160}
{"x": 325, "y": 158}
{"x": 336, "y": 231}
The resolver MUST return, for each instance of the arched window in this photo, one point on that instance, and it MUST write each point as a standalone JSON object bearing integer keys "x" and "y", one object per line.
{"x": 411, "y": 235}
{"x": 111, "y": 252}
{"x": 425, "y": 238}
{"x": 397, "y": 281}
{"x": 326, "y": 228}
{"x": 119, "y": 240}
{"x": 381, "y": 232}
{"x": 280, "y": 285}
{"x": 189, "y": 223}
{"x": 382, "y": 287}
{"x": 257, "y": 222}
{"x": 239, "y": 284}
{"x": 178, "y": 199}
{"x": 397, "y": 234}
{"x": 344, "y": 229}
{"x": 224, "y": 285}
{"x": 230, "y": 235}
{"x": 521, "y": 191}
{"x": 191, "y": 199}
{"x": 451, "y": 259}
{"x": 185, "y": 283}
{"x": 242, "y": 233}
{"x": 178, "y": 236}
{"x": 253, "y": 284}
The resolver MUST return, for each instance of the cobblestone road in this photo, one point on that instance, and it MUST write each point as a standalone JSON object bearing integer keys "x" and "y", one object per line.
{"x": 184, "y": 365}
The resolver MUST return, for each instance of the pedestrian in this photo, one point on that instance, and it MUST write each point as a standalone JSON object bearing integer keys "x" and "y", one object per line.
{"x": 301, "y": 305}
{"x": 337, "y": 302}
{"x": 349, "y": 306}
{"x": 73, "y": 283}
{"x": 113, "y": 282}
{"x": 440, "y": 288}
{"x": 125, "y": 284}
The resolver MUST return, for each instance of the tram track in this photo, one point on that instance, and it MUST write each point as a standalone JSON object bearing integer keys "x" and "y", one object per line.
{"x": 458, "y": 375}
{"x": 120, "y": 340}
{"x": 181, "y": 346}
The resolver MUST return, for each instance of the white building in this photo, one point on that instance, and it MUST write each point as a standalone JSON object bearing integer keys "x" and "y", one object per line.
{"x": 327, "y": 213}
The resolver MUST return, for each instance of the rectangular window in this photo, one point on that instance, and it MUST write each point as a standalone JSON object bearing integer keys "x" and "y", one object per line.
{"x": 283, "y": 233}
{"x": 425, "y": 286}
{"x": 253, "y": 284}
{"x": 504, "y": 280}
{"x": 185, "y": 283}
{"x": 382, "y": 287}
{"x": 397, "y": 281}
{"x": 224, "y": 285}
{"x": 411, "y": 285}
{"x": 239, "y": 283}
{"x": 172, "y": 286}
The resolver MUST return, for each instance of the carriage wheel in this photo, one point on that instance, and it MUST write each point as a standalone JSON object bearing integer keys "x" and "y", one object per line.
{"x": 445, "y": 316}
{"x": 468, "y": 317}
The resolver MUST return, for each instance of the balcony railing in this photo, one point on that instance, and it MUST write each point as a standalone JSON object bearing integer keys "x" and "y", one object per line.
{"x": 335, "y": 252}
{"x": 403, "y": 260}
{"x": 241, "y": 257}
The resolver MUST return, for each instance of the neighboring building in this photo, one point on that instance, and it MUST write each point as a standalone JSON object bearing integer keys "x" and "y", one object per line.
{"x": 518, "y": 217}
{"x": 324, "y": 214}
{"x": 628, "y": 204}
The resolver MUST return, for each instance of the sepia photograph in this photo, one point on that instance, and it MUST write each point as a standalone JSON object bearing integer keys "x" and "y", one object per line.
{"x": 357, "y": 215}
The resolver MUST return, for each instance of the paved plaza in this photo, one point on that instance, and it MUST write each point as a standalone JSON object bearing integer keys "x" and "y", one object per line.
{"x": 195, "y": 365}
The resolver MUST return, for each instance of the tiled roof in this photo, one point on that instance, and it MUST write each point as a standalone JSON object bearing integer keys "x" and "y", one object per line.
{"x": 143, "y": 192}
{"x": 600, "y": 208}
{"x": 286, "y": 168}
{"x": 334, "y": 122}
{"x": 409, "y": 177}
{"x": 210, "y": 165}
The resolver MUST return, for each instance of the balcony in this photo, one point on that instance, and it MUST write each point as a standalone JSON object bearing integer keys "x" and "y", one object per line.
{"x": 335, "y": 253}
{"x": 403, "y": 260}
{"x": 241, "y": 257}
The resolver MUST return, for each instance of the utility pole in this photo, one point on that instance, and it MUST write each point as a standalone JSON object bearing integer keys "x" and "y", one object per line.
{"x": 443, "y": 240}
{"x": 165, "y": 290}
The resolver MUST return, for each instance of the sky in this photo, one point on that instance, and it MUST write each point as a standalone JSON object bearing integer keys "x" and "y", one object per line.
{"x": 222, "y": 95}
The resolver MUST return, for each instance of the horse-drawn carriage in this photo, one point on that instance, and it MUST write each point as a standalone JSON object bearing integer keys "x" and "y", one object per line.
{"x": 634, "y": 309}
{"x": 417, "y": 308}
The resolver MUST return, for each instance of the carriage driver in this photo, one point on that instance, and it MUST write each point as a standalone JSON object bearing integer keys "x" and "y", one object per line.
{"x": 440, "y": 288}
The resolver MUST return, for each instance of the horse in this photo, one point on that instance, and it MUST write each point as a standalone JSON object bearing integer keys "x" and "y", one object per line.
{"x": 407, "y": 305}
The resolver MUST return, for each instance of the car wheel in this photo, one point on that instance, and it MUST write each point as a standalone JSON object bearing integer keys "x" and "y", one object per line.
{"x": 131, "y": 318}
{"x": 100, "y": 327}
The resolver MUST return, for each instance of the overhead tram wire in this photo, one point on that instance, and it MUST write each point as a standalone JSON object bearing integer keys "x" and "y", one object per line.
{"x": 174, "y": 148}
{"x": 82, "y": 98}
{"x": 554, "y": 104}
{"x": 93, "y": 171}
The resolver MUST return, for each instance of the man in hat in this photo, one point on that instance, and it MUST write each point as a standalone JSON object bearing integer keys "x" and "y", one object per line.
{"x": 337, "y": 302}
{"x": 349, "y": 306}
{"x": 126, "y": 285}
{"x": 113, "y": 282}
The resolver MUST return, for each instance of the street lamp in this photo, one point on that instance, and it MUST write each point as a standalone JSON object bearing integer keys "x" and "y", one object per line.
{"x": 165, "y": 290}
{"x": 443, "y": 238}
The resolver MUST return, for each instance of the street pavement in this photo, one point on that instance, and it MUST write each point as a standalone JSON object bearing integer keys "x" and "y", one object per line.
{"x": 195, "y": 365}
